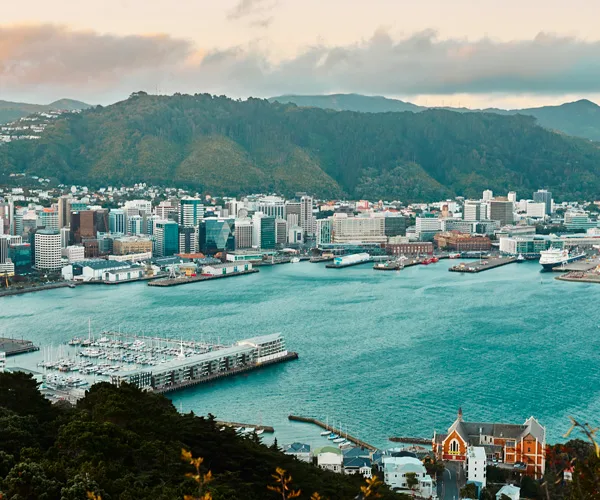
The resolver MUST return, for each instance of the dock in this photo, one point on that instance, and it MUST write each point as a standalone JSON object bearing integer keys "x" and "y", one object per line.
{"x": 580, "y": 277}
{"x": 13, "y": 347}
{"x": 224, "y": 374}
{"x": 352, "y": 439}
{"x": 184, "y": 280}
{"x": 486, "y": 265}
{"x": 410, "y": 440}
{"x": 265, "y": 428}
{"x": 582, "y": 265}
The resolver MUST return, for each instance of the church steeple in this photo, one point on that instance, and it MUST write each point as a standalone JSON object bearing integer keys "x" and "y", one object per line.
{"x": 460, "y": 416}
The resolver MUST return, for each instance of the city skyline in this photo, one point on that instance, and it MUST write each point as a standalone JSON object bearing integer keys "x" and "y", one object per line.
{"x": 434, "y": 53}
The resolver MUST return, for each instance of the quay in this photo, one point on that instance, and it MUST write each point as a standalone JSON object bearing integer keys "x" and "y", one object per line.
{"x": 410, "y": 440}
{"x": 29, "y": 289}
{"x": 580, "y": 277}
{"x": 486, "y": 265}
{"x": 265, "y": 428}
{"x": 578, "y": 266}
{"x": 356, "y": 441}
{"x": 15, "y": 346}
{"x": 289, "y": 356}
{"x": 183, "y": 280}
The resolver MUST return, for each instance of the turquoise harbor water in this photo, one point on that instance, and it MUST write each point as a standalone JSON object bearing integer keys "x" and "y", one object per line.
{"x": 385, "y": 353}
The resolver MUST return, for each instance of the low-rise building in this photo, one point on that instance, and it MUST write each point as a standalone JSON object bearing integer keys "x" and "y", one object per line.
{"x": 91, "y": 270}
{"x": 476, "y": 466}
{"x": 462, "y": 242}
{"x": 510, "y": 491}
{"x": 128, "y": 245}
{"x": 226, "y": 268}
{"x": 398, "y": 469}
{"x": 329, "y": 458}
{"x": 299, "y": 450}
{"x": 413, "y": 248}
{"x": 74, "y": 253}
{"x": 509, "y": 443}
{"x": 126, "y": 274}
{"x": 134, "y": 257}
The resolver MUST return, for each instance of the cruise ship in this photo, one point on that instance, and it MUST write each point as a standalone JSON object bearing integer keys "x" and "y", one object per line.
{"x": 554, "y": 257}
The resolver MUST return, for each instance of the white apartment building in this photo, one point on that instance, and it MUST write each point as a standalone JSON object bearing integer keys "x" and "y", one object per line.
{"x": 243, "y": 233}
{"x": 536, "y": 210}
{"x": 357, "y": 229}
{"x": 395, "y": 470}
{"x": 138, "y": 207}
{"x": 427, "y": 225}
{"x": 47, "y": 250}
{"x": 488, "y": 195}
{"x": 308, "y": 222}
{"x": 74, "y": 253}
{"x": 475, "y": 210}
{"x": 475, "y": 465}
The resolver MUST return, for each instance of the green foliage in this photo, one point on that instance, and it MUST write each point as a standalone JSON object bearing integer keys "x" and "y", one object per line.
{"x": 121, "y": 442}
{"x": 223, "y": 147}
{"x": 468, "y": 491}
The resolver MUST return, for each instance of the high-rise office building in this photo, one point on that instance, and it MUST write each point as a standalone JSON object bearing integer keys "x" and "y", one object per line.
{"x": 5, "y": 241}
{"x": 544, "y": 196}
{"x": 268, "y": 238}
{"x": 281, "y": 229}
{"x": 64, "y": 216}
{"x": 165, "y": 209}
{"x": 20, "y": 255}
{"x": 47, "y": 250}
{"x": 512, "y": 196}
{"x": 394, "y": 225}
{"x": 308, "y": 222}
{"x": 243, "y": 234}
{"x": 357, "y": 229}
{"x": 502, "y": 210}
{"x": 488, "y": 195}
{"x": 82, "y": 226}
{"x": 324, "y": 231}
{"x": 191, "y": 211}
{"x": 272, "y": 206}
{"x": 188, "y": 240}
{"x": 474, "y": 210}
{"x": 117, "y": 221}
{"x": 150, "y": 221}
{"x": 135, "y": 224}
{"x": 167, "y": 238}
{"x": 138, "y": 207}
{"x": 48, "y": 219}
{"x": 217, "y": 235}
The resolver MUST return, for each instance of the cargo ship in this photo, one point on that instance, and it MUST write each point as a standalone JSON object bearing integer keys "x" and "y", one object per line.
{"x": 555, "y": 257}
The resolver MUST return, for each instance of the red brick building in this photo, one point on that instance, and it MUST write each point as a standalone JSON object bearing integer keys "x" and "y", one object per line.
{"x": 509, "y": 443}
{"x": 462, "y": 242}
{"x": 412, "y": 248}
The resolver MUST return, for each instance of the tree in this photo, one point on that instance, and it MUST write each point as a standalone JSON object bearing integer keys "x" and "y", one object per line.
{"x": 529, "y": 487}
{"x": 469, "y": 491}
{"x": 28, "y": 481}
{"x": 411, "y": 480}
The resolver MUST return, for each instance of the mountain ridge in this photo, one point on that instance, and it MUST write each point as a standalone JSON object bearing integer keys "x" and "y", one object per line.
{"x": 11, "y": 111}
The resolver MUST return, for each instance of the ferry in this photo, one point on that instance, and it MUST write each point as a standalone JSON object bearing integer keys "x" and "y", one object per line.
{"x": 555, "y": 257}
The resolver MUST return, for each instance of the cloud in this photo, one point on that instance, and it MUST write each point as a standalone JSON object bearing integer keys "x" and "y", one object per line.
{"x": 54, "y": 61}
{"x": 248, "y": 8}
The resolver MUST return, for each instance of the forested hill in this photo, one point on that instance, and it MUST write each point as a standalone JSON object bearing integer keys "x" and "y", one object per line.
{"x": 222, "y": 146}
{"x": 10, "y": 111}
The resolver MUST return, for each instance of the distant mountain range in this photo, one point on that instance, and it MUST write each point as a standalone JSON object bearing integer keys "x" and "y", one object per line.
{"x": 223, "y": 146}
{"x": 580, "y": 118}
{"x": 11, "y": 111}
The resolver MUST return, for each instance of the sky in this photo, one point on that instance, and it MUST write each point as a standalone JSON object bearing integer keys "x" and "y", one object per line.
{"x": 473, "y": 53}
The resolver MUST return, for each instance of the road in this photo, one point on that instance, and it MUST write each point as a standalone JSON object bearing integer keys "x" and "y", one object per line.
{"x": 448, "y": 486}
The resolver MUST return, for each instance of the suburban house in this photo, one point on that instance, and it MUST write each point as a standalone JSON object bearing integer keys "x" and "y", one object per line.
{"x": 510, "y": 491}
{"x": 395, "y": 469}
{"x": 329, "y": 458}
{"x": 299, "y": 450}
{"x": 515, "y": 444}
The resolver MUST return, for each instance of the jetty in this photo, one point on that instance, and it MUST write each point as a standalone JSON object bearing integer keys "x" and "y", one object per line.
{"x": 15, "y": 346}
{"x": 483, "y": 265}
{"x": 410, "y": 440}
{"x": 352, "y": 439}
{"x": 184, "y": 280}
{"x": 265, "y": 428}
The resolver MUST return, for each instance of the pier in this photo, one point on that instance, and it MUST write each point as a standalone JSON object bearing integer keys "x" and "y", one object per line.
{"x": 184, "y": 280}
{"x": 485, "y": 265}
{"x": 352, "y": 439}
{"x": 410, "y": 440}
{"x": 265, "y": 428}
{"x": 583, "y": 265}
{"x": 15, "y": 346}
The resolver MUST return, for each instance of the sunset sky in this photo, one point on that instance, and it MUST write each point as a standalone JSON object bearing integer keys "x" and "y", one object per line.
{"x": 436, "y": 52}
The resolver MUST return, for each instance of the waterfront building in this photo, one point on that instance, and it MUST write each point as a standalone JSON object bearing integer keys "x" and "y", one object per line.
{"x": 188, "y": 240}
{"x": 73, "y": 253}
{"x": 501, "y": 210}
{"x": 476, "y": 465}
{"x": 132, "y": 257}
{"x": 545, "y": 197}
{"x": 263, "y": 231}
{"x": 299, "y": 450}
{"x": 249, "y": 255}
{"x": 281, "y": 232}
{"x": 324, "y": 230}
{"x": 295, "y": 235}
{"x": 535, "y": 209}
{"x": 330, "y": 458}
{"x": 528, "y": 245}
{"x": 409, "y": 249}
{"x": 226, "y": 268}
{"x": 461, "y": 242}
{"x": 508, "y": 443}
{"x": 394, "y": 225}
{"x": 91, "y": 270}
{"x": 47, "y": 250}
{"x": 218, "y": 235}
{"x": 427, "y": 226}
{"x": 474, "y": 210}
{"x": 487, "y": 195}
{"x": 5, "y": 241}
{"x": 122, "y": 275}
{"x": 167, "y": 238}
{"x": 21, "y": 257}
{"x": 117, "y": 221}
{"x": 308, "y": 222}
{"x": 48, "y": 219}
{"x": 511, "y": 231}
{"x": 395, "y": 470}
{"x": 191, "y": 211}
{"x": 272, "y": 206}
{"x": 357, "y": 229}
{"x": 243, "y": 234}
{"x": 128, "y": 245}
{"x": 135, "y": 225}
{"x": 578, "y": 220}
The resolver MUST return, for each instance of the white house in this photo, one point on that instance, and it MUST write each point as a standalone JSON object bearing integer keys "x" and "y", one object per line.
{"x": 512, "y": 492}
{"x": 330, "y": 458}
{"x": 395, "y": 470}
{"x": 475, "y": 465}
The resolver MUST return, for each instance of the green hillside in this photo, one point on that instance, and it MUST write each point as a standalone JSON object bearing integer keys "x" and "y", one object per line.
{"x": 11, "y": 111}
{"x": 223, "y": 146}
{"x": 580, "y": 118}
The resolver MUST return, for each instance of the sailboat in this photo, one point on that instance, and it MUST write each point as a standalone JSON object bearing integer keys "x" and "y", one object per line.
{"x": 326, "y": 433}
{"x": 339, "y": 439}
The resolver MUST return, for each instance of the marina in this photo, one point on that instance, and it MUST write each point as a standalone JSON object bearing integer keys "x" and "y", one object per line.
{"x": 482, "y": 265}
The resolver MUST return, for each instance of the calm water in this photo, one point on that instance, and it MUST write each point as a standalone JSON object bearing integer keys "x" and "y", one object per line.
{"x": 385, "y": 353}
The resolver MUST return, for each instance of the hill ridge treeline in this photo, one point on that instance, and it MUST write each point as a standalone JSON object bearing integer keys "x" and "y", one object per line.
{"x": 222, "y": 146}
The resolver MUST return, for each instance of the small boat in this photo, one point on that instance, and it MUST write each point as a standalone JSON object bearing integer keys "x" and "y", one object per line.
{"x": 295, "y": 260}
{"x": 520, "y": 258}
{"x": 339, "y": 440}
{"x": 332, "y": 436}
{"x": 345, "y": 444}
{"x": 325, "y": 433}
{"x": 259, "y": 432}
